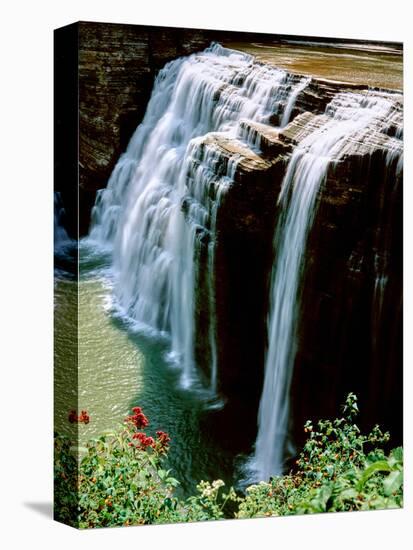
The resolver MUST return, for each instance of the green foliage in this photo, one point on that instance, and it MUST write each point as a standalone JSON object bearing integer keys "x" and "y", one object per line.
{"x": 339, "y": 469}
{"x": 120, "y": 484}
{"x": 117, "y": 483}
{"x": 209, "y": 503}
{"x": 65, "y": 481}
{"x": 120, "y": 480}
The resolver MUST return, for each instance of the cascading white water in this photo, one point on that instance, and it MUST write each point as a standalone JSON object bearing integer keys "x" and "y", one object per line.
{"x": 292, "y": 100}
{"x": 161, "y": 203}
{"x": 348, "y": 116}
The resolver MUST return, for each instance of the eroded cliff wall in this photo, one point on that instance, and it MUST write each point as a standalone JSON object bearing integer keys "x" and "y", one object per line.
{"x": 349, "y": 335}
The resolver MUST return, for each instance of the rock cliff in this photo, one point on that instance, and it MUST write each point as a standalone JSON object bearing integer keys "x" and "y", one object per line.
{"x": 350, "y": 323}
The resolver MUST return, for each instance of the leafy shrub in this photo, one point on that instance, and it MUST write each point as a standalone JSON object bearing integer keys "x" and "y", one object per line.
{"x": 209, "y": 503}
{"x": 65, "y": 481}
{"x": 339, "y": 469}
{"x": 120, "y": 480}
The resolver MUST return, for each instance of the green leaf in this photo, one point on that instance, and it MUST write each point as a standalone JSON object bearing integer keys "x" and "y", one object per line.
{"x": 172, "y": 481}
{"x": 379, "y": 466}
{"x": 392, "y": 482}
{"x": 152, "y": 462}
{"x": 348, "y": 494}
{"x": 107, "y": 433}
{"x": 168, "y": 503}
{"x": 398, "y": 453}
{"x": 319, "y": 503}
{"x": 93, "y": 504}
{"x": 396, "y": 457}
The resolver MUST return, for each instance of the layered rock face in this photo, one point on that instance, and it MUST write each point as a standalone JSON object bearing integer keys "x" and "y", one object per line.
{"x": 117, "y": 65}
{"x": 243, "y": 259}
{"x": 349, "y": 335}
{"x": 350, "y": 329}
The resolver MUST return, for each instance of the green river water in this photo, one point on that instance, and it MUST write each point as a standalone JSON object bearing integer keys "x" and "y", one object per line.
{"x": 118, "y": 368}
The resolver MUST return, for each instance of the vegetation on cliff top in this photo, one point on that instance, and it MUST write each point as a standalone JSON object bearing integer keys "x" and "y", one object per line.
{"x": 120, "y": 479}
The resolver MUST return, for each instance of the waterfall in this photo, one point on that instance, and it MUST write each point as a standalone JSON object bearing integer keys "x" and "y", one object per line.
{"x": 159, "y": 211}
{"x": 292, "y": 99}
{"x": 348, "y": 118}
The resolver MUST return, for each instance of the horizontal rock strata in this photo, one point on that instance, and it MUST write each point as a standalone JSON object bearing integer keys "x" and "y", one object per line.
{"x": 354, "y": 246}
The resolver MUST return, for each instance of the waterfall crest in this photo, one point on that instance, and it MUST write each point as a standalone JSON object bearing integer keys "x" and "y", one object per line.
{"x": 159, "y": 211}
{"x": 349, "y": 118}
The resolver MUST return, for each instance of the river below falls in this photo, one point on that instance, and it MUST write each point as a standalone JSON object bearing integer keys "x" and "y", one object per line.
{"x": 119, "y": 367}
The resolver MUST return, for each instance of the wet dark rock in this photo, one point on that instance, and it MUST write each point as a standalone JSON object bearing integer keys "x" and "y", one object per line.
{"x": 350, "y": 329}
{"x": 243, "y": 259}
{"x": 350, "y": 325}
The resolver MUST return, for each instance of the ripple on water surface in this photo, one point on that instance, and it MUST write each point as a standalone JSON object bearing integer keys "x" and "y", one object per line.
{"x": 118, "y": 369}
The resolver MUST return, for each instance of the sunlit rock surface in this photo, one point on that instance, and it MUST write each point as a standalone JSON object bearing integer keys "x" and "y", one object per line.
{"x": 358, "y": 63}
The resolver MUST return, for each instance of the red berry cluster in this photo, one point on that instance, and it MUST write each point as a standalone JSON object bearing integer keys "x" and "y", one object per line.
{"x": 140, "y": 439}
{"x": 83, "y": 418}
{"x": 138, "y": 419}
{"x": 143, "y": 441}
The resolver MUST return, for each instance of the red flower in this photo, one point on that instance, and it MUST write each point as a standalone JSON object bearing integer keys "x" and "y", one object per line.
{"x": 163, "y": 437}
{"x": 84, "y": 417}
{"x": 138, "y": 419}
{"x": 144, "y": 440}
{"x": 149, "y": 442}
